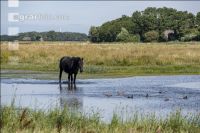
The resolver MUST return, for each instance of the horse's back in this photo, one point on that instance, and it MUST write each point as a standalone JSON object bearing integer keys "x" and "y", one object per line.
{"x": 66, "y": 63}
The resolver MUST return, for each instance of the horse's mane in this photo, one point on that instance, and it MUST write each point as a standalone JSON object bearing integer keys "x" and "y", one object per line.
{"x": 75, "y": 61}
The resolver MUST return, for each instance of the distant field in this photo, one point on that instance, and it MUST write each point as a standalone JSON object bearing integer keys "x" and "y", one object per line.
{"x": 106, "y": 58}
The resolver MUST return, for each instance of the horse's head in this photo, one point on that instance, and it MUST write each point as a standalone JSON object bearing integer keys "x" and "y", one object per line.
{"x": 80, "y": 63}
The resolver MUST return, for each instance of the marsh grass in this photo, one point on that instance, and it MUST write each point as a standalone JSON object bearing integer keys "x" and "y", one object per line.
{"x": 62, "y": 120}
{"x": 154, "y": 58}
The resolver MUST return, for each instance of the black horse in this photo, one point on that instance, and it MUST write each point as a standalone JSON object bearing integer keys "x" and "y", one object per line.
{"x": 70, "y": 65}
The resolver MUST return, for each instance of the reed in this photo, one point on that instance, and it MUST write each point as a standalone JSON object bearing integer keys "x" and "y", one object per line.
{"x": 62, "y": 120}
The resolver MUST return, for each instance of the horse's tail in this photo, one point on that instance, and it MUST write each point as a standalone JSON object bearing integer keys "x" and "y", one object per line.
{"x": 60, "y": 66}
{"x": 61, "y": 69}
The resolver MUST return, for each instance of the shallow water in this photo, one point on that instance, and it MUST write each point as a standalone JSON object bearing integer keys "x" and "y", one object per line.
{"x": 142, "y": 94}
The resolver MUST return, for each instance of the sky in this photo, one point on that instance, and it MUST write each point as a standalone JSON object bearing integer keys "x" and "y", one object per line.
{"x": 77, "y": 16}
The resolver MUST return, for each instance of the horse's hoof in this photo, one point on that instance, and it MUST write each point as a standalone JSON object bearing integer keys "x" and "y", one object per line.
{"x": 185, "y": 97}
{"x": 130, "y": 96}
{"x": 166, "y": 99}
{"x": 108, "y": 94}
{"x": 120, "y": 93}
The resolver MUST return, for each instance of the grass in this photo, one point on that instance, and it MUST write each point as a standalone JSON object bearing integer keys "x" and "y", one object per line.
{"x": 112, "y": 59}
{"x": 25, "y": 120}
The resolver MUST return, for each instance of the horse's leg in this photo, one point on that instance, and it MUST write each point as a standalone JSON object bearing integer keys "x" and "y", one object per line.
{"x": 75, "y": 78}
{"x": 60, "y": 76}
{"x": 69, "y": 78}
{"x": 69, "y": 86}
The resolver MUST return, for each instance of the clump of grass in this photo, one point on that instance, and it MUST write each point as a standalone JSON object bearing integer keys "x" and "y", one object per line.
{"x": 63, "y": 120}
{"x": 4, "y": 56}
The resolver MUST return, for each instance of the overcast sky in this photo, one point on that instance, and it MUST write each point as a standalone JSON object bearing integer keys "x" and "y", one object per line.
{"x": 78, "y": 16}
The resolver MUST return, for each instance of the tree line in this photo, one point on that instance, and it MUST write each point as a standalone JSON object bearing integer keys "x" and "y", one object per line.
{"x": 150, "y": 25}
{"x": 46, "y": 36}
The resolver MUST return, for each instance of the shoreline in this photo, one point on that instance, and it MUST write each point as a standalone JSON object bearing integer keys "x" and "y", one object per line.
{"x": 52, "y": 75}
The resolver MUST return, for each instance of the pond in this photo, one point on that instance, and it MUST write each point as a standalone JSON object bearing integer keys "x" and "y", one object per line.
{"x": 124, "y": 96}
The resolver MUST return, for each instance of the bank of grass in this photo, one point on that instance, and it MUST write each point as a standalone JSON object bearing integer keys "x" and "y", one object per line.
{"x": 62, "y": 120}
{"x": 106, "y": 59}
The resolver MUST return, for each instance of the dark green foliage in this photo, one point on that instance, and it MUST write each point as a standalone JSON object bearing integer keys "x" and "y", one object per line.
{"x": 124, "y": 36}
{"x": 108, "y": 31}
{"x": 46, "y": 36}
{"x": 8, "y": 38}
{"x": 197, "y": 38}
{"x": 151, "y": 36}
{"x": 94, "y": 34}
{"x": 142, "y": 23}
{"x": 190, "y": 35}
{"x": 134, "y": 38}
{"x": 198, "y": 19}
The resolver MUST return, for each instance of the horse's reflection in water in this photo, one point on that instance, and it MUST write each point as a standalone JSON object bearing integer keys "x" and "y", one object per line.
{"x": 70, "y": 97}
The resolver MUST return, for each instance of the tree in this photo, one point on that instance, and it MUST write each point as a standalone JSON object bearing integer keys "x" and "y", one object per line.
{"x": 198, "y": 19}
{"x": 138, "y": 22}
{"x": 108, "y": 31}
{"x": 38, "y": 38}
{"x": 151, "y": 36}
{"x": 123, "y": 35}
{"x": 47, "y": 36}
{"x": 94, "y": 34}
{"x": 151, "y": 19}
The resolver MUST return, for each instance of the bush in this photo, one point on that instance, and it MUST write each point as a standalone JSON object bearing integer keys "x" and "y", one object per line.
{"x": 4, "y": 56}
{"x": 124, "y": 36}
{"x": 134, "y": 38}
{"x": 197, "y": 38}
{"x": 189, "y": 37}
{"x": 193, "y": 31}
{"x": 151, "y": 36}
